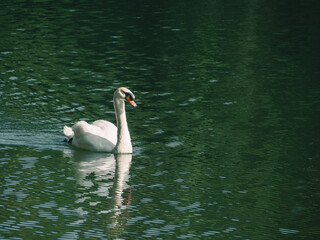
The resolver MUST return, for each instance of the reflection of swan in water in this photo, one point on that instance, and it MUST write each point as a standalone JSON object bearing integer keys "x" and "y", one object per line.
{"x": 123, "y": 174}
{"x": 108, "y": 171}
{"x": 120, "y": 214}
{"x": 103, "y": 166}
{"x": 95, "y": 168}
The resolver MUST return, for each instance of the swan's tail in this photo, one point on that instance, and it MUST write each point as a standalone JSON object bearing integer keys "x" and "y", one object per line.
{"x": 68, "y": 132}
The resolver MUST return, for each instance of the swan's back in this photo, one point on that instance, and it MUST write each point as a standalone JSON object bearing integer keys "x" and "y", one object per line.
{"x": 99, "y": 136}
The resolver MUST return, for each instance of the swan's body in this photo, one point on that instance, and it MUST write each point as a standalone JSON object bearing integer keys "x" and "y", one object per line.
{"x": 101, "y": 135}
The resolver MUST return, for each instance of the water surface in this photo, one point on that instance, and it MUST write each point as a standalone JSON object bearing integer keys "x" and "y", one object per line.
{"x": 225, "y": 135}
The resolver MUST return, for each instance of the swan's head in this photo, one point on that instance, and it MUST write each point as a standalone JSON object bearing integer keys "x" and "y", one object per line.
{"x": 125, "y": 94}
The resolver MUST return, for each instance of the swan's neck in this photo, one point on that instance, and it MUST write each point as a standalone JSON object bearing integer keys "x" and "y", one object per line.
{"x": 123, "y": 140}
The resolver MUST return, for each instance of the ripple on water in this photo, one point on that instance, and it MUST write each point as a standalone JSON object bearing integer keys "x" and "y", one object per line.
{"x": 30, "y": 224}
{"x": 146, "y": 200}
{"x": 28, "y": 162}
{"x": 154, "y": 221}
{"x": 157, "y": 185}
{"x": 70, "y": 235}
{"x": 9, "y": 225}
{"x": 134, "y": 220}
{"x": 159, "y": 173}
{"x": 287, "y": 231}
{"x": 186, "y": 236}
{"x": 47, "y": 205}
{"x": 209, "y": 233}
{"x": 47, "y": 215}
{"x": 174, "y": 144}
{"x": 94, "y": 233}
{"x": 164, "y": 230}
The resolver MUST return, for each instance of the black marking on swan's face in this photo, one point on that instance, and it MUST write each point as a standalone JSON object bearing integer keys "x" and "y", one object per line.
{"x": 126, "y": 95}
{"x": 129, "y": 96}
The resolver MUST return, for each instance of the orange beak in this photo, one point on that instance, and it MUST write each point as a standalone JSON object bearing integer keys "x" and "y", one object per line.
{"x": 131, "y": 101}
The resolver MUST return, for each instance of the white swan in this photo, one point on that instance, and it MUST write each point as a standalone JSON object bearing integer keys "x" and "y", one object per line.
{"x": 101, "y": 135}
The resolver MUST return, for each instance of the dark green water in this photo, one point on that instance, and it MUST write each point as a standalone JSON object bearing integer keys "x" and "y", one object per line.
{"x": 226, "y": 134}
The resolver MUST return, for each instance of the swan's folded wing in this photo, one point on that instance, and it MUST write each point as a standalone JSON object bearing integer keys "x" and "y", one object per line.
{"x": 107, "y": 130}
{"x": 94, "y": 137}
{"x": 93, "y": 143}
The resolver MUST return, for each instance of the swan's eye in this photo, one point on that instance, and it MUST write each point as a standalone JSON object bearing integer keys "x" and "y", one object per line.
{"x": 130, "y": 98}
